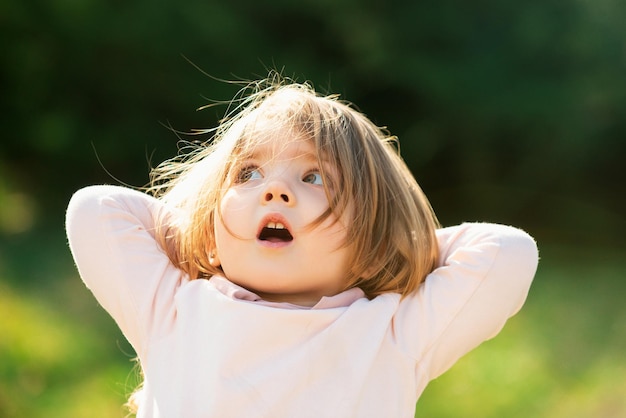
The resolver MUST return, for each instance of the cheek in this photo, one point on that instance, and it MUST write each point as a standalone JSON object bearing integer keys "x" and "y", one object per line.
{"x": 225, "y": 246}
{"x": 340, "y": 223}
{"x": 233, "y": 211}
{"x": 233, "y": 201}
{"x": 220, "y": 220}
{"x": 334, "y": 233}
{"x": 234, "y": 224}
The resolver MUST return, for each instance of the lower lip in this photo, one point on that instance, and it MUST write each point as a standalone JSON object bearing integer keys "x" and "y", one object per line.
{"x": 274, "y": 244}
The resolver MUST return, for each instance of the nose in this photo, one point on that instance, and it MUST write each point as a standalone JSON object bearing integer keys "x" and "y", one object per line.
{"x": 278, "y": 191}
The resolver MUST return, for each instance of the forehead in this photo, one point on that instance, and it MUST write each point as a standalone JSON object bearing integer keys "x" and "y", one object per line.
{"x": 272, "y": 143}
{"x": 290, "y": 149}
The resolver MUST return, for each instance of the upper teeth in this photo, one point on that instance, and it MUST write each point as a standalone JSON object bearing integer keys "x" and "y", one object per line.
{"x": 275, "y": 225}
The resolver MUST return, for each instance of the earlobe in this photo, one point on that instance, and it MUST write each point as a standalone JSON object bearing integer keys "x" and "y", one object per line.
{"x": 369, "y": 272}
{"x": 214, "y": 260}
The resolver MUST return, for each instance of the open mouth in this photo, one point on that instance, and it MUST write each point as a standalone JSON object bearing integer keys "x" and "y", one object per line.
{"x": 275, "y": 232}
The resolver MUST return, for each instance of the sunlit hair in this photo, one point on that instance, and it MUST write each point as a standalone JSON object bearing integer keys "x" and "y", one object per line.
{"x": 391, "y": 228}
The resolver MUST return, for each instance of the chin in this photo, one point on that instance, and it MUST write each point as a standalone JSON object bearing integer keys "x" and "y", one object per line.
{"x": 261, "y": 282}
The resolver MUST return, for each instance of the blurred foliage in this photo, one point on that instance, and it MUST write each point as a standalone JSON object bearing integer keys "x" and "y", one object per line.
{"x": 512, "y": 112}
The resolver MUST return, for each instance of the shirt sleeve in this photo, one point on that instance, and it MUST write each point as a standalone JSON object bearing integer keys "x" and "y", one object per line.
{"x": 483, "y": 278}
{"x": 111, "y": 235}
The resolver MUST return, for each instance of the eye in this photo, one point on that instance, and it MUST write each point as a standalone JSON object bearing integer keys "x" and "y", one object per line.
{"x": 248, "y": 173}
{"x": 314, "y": 177}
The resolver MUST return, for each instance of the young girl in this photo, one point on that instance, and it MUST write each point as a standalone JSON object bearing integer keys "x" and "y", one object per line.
{"x": 293, "y": 268}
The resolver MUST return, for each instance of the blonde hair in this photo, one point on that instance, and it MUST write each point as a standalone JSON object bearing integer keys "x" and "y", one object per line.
{"x": 391, "y": 231}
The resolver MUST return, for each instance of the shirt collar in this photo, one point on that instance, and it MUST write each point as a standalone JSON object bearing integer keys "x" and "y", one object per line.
{"x": 234, "y": 291}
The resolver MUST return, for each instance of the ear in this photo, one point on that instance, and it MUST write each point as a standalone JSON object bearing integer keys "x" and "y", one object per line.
{"x": 214, "y": 259}
{"x": 367, "y": 274}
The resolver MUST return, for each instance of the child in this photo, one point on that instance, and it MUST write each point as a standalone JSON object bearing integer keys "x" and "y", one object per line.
{"x": 293, "y": 268}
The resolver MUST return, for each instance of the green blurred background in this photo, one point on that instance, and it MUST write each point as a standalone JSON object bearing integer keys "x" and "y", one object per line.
{"x": 511, "y": 112}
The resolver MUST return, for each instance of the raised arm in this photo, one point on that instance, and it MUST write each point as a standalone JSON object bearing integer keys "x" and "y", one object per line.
{"x": 111, "y": 236}
{"x": 483, "y": 279}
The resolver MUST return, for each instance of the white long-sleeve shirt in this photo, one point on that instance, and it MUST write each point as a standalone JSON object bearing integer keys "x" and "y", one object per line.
{"x": 209, "y": 348}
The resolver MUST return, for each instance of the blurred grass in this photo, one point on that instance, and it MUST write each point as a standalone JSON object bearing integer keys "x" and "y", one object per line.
{"x": 60, "y": 354}
{"x": 53, "y": 366}
{"x": 562, "y": 356}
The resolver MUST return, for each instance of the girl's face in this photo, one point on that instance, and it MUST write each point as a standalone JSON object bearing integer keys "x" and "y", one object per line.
{"x": 265, "y": 240}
